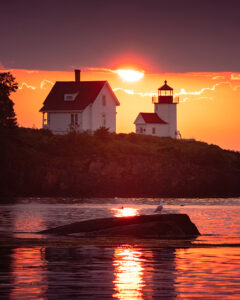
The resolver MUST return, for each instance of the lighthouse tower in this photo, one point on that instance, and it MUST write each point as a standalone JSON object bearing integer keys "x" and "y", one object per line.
{"x": 163, "y": 122}
{"x": 165, "y": 106}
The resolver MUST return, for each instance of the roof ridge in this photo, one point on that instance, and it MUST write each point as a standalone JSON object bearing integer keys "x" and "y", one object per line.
{"x": 81, "y": 81}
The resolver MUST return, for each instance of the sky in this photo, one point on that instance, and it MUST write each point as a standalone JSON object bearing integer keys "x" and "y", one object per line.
{"x": 194, "y": 45}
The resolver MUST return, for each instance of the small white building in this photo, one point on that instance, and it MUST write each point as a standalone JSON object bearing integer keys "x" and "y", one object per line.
{"x": 163, "y": 122}
{"x": 80, "y": 106}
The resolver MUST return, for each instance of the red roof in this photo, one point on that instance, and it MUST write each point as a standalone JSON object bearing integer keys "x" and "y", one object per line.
{"x": 87, "y": 93}
{"x": 152, "y": 118}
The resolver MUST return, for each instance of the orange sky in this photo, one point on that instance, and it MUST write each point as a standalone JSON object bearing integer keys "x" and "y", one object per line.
{"x": 208, "y": 110}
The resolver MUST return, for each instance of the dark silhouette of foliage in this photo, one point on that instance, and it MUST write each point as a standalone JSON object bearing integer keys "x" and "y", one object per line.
{"x": 7, "y": 84}
{"x": 7, "y": 114}
{"x": 38, "y": 163}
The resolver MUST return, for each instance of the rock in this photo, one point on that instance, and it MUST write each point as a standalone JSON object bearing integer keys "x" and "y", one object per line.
{"x": 144, "y": 226}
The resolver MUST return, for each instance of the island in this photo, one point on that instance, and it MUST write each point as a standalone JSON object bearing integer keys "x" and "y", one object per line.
{"x": 37, "y": 163}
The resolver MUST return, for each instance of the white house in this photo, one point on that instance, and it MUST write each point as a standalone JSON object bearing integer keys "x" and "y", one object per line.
{"x": 79, "y": 105}
{"x": 163, "y": 122}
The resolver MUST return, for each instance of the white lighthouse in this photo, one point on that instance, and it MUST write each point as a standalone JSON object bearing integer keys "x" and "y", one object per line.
{"x": 163, "y": 122}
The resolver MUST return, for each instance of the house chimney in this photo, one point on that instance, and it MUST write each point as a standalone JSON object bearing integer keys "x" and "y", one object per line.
{"x": 77, "y": 75}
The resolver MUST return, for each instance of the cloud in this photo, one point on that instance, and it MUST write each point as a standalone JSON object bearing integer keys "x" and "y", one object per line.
{"x": 132, "y": 92}
{"x": 205, "y": 93}
{"x": 44, "y": 82}
{"x": 235, "y": 76}
{"x": 218, "y": 77}
{"x": 27, "y": 86}
{"x": 183, "y": 91}
{"x": 99, "y": 70}
{"x": 206, "y": 98}
{"x": 203, "y": 90}
{"x": 31, "y": 71}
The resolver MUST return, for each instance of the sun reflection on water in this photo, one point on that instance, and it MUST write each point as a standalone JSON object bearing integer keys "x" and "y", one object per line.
{"x": 28, "y": 270}
{"x": 125, "y": 212}
{"x": 128, "y": 273}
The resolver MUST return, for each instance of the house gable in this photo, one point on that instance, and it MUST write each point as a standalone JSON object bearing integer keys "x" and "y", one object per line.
{"x": 104, "y": 109}
{"x": 139, "y": 120}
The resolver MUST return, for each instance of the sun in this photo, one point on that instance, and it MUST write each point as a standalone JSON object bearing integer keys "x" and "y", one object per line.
{"x": 130, "y": 75}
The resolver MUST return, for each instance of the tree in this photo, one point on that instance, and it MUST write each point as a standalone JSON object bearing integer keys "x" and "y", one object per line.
{"x": 7, "y": 114}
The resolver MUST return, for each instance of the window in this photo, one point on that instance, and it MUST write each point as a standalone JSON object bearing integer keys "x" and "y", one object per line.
{"x": 153, "y": 130}
{"x": 104, "y": 100}
{"x": 103, "y": 120}
{"x": 70, "y": 97}
{"x": 45, "y": 118}
{"x": 74, "y": 119}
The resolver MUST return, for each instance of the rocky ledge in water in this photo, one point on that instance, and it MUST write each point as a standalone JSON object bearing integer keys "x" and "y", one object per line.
{"x": 143, "y": 226}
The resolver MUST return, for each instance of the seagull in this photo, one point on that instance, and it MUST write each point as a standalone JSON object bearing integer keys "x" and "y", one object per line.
{"x": 159, "y": 207}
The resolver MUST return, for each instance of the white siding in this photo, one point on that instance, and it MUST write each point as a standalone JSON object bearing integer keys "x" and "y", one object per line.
{"x": 141, "y": 128}
{"x": 140, "y": 125}
{"x": 60, "y": 122}
{"x": 160, "y": 129}
{"x": 109, "y": 110}
{"x": 168, "y": 113}
{"x": 87, "y": 118}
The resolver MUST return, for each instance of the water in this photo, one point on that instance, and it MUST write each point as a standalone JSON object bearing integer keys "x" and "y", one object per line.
{"x": 36, "y": 267}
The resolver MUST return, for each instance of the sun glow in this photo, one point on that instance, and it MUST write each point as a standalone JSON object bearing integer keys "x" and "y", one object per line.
{"x": 130, "y": 75}
{"x": 125, "y": 212}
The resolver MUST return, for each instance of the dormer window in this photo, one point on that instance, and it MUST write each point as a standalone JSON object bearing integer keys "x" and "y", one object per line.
{"x": 70, "y": 97}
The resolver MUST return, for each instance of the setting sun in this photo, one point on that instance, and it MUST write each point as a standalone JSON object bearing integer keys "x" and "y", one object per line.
{"x": 130, "y": 75}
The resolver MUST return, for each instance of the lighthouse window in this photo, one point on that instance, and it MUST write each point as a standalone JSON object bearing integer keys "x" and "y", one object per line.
{"x": 153, "y": 130}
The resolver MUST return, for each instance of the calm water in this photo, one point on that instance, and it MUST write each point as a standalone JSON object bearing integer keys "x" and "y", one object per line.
{"x": 208, "y": 269}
